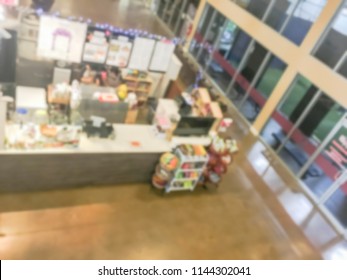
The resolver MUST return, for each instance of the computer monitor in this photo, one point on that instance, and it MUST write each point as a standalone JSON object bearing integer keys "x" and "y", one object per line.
{"x": 194, "y": 126}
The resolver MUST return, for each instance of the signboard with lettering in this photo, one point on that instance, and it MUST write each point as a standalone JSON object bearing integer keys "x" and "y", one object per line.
{"x": 61, "y": 39}
{"x": 337, "y": 148}
{"x": 161, "y": 58}
{"x": 141, "y": 54}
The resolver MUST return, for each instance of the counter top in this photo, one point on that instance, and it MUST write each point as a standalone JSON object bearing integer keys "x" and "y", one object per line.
{"x": 125, "y": 134}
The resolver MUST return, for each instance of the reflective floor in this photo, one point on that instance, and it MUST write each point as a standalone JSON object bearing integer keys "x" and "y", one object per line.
{"x": 258, "y": 212}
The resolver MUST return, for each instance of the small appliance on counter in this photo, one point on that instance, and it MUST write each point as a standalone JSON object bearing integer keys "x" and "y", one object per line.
{"x": 98, "y": 127}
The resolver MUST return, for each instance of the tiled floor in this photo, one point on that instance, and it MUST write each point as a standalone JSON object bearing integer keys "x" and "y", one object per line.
{"x": 258, "y": 211}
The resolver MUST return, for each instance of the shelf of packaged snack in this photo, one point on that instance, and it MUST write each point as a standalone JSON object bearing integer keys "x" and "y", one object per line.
{"x": 195, "y": 173}
{"x": 191, "y": 159}
{"x": 189, "y": 169}
{"x": 142, "y": 85}
{"x": 184, "y": 179}
{"x": 136, "y": 79}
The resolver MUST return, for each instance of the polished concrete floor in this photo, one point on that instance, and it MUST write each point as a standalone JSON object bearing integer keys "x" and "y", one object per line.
{"x": 258, "y": 212}
{"x": 137, "y": 222}
{"x": 242, "y": 219}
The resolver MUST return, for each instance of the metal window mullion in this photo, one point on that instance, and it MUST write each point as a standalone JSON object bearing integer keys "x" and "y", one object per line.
{"x": 249, "y": 49}
{"x": 267, "y": 58}
{"x": 311, "y": 104}
{"x": 203, "y": 16}
{"x": 333, "y": 188}
{"x": 165, "y": 8}
{"x": 241, "y": 65}
{"x": 173, "y": 8}
{"x": 214, "y": 14}
{"x": 322, "y": 145}
{"x": 331, "y": 219}
{"x": 216, "y": 43}
{"x": 183, "y": 8}
{"x": 286, "y": 22}
{"x": 301, "y": 119}
{"x": 256, "y": 77}
{"x": 326, "y": 30}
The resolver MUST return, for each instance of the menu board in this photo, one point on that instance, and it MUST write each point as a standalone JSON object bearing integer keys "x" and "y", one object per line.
{"x": 337, "y": 148}
{"x": 119, "y": 53}
{"x": 9, "y": 2}
{"x": 141, "y": 54}
{"x": 61, "y": 39}
{"x": 162, "y": 56}
{"x": 95, "y": 53}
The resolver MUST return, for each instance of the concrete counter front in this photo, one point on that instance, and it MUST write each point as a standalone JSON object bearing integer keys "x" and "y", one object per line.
{"x": 95, "y": 162}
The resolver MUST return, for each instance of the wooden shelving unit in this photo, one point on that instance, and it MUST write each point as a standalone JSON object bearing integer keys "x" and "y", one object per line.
{"x": 141, "y": 86}
{"x": 180, "y": 180}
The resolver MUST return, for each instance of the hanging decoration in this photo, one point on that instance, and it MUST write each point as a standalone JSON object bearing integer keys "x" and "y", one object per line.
{"x": 110, "y": 28}
{"x": 199, "y": 77}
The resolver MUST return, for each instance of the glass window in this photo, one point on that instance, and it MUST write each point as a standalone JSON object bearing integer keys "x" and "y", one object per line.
{"x": 292, "y": 18}
{"x": 227, "y": 54}
{"x": 259, "y": 85}
{"x": 167, "y": 11}
{"x": 337, "y": 203}
{"x": 161, "y": 8}
{"x": 332, "y": 160}
{"x": 225, "y": 51}
{"x": 297, "y": 129}
{"x": 334, "y": 45}
{"x": 220, "y": 68}
{"x": 175, "y": 10}
{"x": 198, "y": 40}
{"x": 211, "y": 38}
{"x": 179, "y": 16}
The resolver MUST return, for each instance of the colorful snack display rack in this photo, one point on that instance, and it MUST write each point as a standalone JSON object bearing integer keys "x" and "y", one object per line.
{"x": 164, "y": 171}
{"x": 184, "y": 176}
{"x": 221, "y": 153}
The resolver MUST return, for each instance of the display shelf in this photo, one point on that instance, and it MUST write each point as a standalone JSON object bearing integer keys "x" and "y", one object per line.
{"x": 177, "y": 189}
{"x": 192, "y": 159}
{"x": 135, "y": 79}
{"x": 184, "y": 159}
{"x": 140, "y": 86}
{"x": 190, "y": 169}
{"x": 142, "y": 89}
{"x": 184, "y": 179}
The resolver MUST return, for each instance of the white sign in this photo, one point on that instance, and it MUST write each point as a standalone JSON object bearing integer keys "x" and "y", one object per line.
{"x": 141, "y": 54}
{"x": 119, "y": 53}
{"x": 95, "y": 53}
{"x": 61, "y": 39}
{"x": 162, "y": 56}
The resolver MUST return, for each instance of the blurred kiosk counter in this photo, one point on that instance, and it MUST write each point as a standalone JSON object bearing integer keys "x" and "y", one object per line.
{"x": 41, "y": 157}
{"x": 127, "y": 159}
